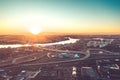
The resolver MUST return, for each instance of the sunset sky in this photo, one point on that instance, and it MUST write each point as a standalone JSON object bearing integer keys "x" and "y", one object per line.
{"x": 63, "y": 16}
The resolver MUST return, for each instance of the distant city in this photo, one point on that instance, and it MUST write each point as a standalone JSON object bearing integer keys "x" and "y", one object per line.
{"x": 60, "y": 57}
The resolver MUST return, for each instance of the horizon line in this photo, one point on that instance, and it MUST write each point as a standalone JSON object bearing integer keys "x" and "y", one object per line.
{"x": 62, "y": 33}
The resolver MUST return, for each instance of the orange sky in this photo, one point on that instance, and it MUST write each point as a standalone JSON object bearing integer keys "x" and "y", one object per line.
{"x": 62, "y": 16}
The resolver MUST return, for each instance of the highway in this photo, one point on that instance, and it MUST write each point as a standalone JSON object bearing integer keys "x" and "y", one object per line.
{"x": 96, "y": 49}
{"x": 37, "y": 56}
{"x": 27, "y": 58}
{"x": 62, "y": 51}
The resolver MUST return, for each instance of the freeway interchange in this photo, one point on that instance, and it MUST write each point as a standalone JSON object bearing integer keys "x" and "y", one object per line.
{"x": 35, "y": 57}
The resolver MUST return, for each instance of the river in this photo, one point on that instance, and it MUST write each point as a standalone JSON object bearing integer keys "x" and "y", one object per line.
{"x": 70, "y": 40}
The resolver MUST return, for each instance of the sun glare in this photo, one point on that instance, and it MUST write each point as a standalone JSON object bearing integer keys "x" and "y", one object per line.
{"x": 35, "y": 30}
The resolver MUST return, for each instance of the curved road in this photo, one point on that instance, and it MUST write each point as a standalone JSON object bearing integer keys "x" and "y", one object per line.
{"x": 36, "y": 56}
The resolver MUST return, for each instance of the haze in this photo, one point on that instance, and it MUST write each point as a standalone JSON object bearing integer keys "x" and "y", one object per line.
{"x": 63, "y": 16}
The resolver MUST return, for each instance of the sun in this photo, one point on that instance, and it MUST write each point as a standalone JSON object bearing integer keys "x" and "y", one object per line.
{"x": 35, "y": 30}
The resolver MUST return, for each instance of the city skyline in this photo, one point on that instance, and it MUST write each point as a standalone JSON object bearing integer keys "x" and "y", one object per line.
{"x": 62, "y": 16}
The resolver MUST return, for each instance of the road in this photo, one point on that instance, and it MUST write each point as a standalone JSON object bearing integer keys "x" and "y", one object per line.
{"x": 96, "y": 49}
{"x": 36, "y": 56}
{"x": 28, "y": 58}
{"x": 63, "y": 51}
